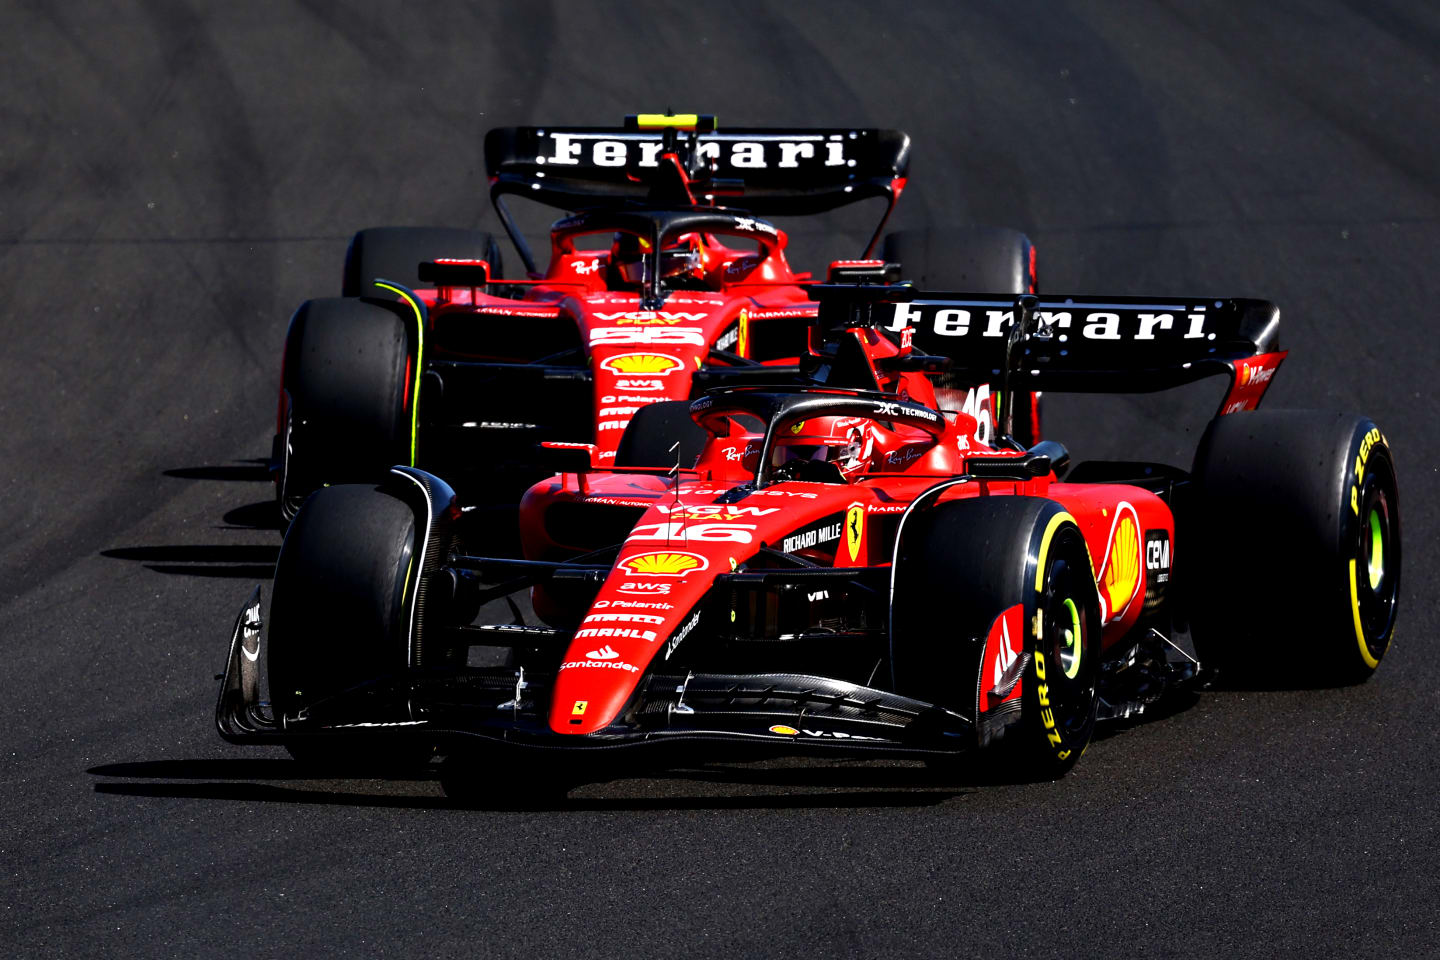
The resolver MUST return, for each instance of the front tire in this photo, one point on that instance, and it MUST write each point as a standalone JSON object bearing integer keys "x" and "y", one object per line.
{"x": 348, "y": 383}
{"x": 339, "y": 618}
{"x": 1295, "y": 570}
{"x": 970, "y": 563}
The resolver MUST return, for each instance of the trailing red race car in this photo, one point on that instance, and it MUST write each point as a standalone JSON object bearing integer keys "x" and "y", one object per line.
{"x": 665, "y": 283}
{"x": 840, "y": 567}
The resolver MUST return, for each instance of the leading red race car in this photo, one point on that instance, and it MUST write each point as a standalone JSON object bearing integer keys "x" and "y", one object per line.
{"x": 840, "y": 566}
{"x": 665, "y": 283}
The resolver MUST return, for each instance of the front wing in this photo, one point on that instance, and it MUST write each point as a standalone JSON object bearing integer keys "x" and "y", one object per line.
{"x": 786, "y": 713}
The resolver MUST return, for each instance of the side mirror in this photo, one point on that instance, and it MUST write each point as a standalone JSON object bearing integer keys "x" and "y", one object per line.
{"x": 563, "y": 457}
{"x": 455, "y": 273}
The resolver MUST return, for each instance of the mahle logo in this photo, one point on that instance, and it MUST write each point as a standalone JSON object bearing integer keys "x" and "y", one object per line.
{"x": 650, "y": 364}
{"x": 663, "y": 564}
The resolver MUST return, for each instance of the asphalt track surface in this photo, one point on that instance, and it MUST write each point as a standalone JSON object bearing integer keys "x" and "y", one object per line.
{"x": 176, "y": 177}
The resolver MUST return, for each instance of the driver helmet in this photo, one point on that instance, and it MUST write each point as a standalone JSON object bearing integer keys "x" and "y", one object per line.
{"x": 847, "y": 442}
{"x": 683, "y": 258}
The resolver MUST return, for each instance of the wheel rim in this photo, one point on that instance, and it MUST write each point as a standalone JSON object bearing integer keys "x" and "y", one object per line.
{"x": 1072, "y": 650}
{"x": 1377, "y": 563}
{"x": 1375, "y": 566}
{"x": 1065, "y": 638}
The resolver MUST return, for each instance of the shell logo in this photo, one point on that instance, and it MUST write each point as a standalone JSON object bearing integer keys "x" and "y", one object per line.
{"x": 784, "y": 730}
{"x": 663, "y": 564}
{"x": 650, "y": 364}
{"x": 1122, "y": 573}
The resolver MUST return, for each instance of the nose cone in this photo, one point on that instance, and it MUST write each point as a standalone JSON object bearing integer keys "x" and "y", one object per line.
{"x": 589, "y": 698}
{"x": 642, "y": 606}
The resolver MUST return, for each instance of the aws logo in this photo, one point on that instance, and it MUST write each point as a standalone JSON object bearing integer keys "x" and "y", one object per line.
{"x": 648, "y": 364}
{"x": 663, "y": 564}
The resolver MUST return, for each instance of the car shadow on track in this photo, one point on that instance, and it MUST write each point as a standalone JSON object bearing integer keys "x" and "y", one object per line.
{"x": 770, "y": 788}
{"x": 239, "y": 560}
{"x": 254, "y": 470}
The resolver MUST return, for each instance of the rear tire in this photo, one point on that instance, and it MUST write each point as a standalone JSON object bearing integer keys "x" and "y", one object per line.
{"x": 994, "y": 260}
{"x": 1304, "y": 506}
{"x": 971, "y": 562}
{"x": 395, "y": 254}
{"x": 337, "y": 618}
{"x": 347, "y": 378}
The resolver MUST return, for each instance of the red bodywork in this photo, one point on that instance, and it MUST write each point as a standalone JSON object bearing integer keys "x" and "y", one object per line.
{"x": 690, "y": 531}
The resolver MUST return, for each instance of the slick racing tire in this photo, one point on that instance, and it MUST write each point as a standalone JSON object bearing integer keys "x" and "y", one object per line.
{"x": 971, "y": 260}
{"x": 395, "y": 254}
{"x": 349, "y": 396}
{"x": 338, "y": 620}
{"x": 967, "y": 562}
{"x": 1294, "y": 572}
{"x": 654, "y": 429}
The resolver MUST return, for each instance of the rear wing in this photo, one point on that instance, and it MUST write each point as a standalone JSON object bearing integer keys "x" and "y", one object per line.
{"x": 771, "y": 171}
{"x": 1076, "y": 343}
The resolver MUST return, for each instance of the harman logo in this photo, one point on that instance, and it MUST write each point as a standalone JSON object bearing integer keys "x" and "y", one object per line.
{"x": 647, "y": 364}
{"x": 663, "y": 564}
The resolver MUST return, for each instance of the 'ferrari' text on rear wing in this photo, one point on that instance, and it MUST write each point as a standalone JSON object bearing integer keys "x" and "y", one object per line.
{"x": 777, "y": 172}
{"x": 1076, "y": 343}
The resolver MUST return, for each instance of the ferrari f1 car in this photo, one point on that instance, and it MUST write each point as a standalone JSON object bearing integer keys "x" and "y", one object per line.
{"x": 842, "y": 568}
{"x": 432, "y": 359}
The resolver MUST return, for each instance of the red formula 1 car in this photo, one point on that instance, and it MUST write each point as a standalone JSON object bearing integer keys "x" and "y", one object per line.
{"x": 841, "y": 567}
{"x": 665, "y": 283}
